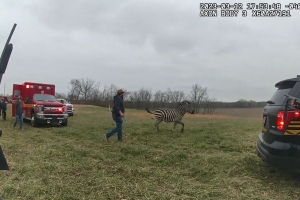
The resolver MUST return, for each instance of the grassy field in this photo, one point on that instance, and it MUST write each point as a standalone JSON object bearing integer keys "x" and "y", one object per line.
{"x": 240, "y": 112}
{"x": 213, "y": 159}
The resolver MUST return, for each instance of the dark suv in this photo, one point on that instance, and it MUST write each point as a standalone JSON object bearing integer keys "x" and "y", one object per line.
{"x": 279, "y": 141}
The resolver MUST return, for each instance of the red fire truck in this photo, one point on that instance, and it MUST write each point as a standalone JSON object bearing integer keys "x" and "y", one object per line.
{"x": 40, "y": 105}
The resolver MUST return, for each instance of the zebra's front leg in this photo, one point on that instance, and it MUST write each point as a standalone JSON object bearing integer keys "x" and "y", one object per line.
{"x": 182, "y": 124}
{"x": 156, "y": 125}
{"x": 174, "y": 126}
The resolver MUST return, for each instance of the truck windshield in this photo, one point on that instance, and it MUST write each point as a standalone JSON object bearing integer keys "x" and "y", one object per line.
{"x": 44, "y": 97}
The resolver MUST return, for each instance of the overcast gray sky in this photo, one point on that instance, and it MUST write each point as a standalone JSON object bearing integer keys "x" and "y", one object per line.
{"x": 153, "y": 44}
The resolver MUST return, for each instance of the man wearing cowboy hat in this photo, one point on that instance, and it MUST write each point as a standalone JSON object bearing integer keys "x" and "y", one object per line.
{"x": 117, "y": 114}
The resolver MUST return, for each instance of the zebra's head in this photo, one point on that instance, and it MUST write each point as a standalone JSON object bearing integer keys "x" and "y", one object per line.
{"x": 186, "y": 106}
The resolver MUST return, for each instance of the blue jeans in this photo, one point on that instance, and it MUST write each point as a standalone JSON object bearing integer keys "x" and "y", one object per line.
{"x": 19, "y": 118}
{"x": 118, "y": 128}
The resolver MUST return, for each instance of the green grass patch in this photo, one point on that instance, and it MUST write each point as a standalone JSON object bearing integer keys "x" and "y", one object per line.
{"x": 213, "y": 159}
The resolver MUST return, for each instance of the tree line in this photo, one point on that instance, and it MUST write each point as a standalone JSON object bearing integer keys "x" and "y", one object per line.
{"x": 87, "y": 91}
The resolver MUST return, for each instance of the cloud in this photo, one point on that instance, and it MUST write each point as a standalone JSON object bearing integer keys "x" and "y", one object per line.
{"x": 153, "y": 44}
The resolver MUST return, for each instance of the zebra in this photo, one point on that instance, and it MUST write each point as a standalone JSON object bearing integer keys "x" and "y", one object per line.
{"x": 172, "y": 115}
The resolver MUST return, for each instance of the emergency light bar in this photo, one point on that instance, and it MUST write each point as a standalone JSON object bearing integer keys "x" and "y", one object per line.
{"x": 40, "y": 87}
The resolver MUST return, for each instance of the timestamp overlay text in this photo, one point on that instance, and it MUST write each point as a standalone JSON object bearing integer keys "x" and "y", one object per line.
{"x": 247, "y": 9}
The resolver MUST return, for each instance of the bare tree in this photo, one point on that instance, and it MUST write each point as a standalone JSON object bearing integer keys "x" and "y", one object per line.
{"x": 109, "y": 92}
{"x": 145, "y": 96}
{"x": 197, "y": 95}
{"x": 60, "y": 95}
{"x": 74, "y": 89}
{"x": 127, "y": 95}
{"x": 176, "y": 96}
{"x": 95, "y": 92}
{"x": 86, "y": 87}
{"x": 159, "y": 98}
{"x": 139, "y": 99}
{"x": 209, "y": 106}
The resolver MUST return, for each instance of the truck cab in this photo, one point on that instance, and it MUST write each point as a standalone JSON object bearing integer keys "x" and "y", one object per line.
{"x": 39, "y": 104}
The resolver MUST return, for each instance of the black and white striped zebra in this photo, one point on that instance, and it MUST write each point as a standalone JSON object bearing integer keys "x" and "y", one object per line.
{"x": 172, "y": 115}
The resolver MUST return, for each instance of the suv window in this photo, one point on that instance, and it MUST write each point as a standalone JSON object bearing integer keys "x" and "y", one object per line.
{"x": 284, "y": 89}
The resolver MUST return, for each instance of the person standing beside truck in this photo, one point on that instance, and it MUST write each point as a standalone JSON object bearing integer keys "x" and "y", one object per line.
{"x": 1, "y": 109}
{"x": 4, "y": 108}
{"x": 19, "y": 113}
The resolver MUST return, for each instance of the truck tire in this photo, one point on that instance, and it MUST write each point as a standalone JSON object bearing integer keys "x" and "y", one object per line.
{"x": 34, "y": 122}
{"x": 65, "y": 124}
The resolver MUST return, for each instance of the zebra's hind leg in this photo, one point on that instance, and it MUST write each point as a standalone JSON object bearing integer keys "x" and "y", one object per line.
{"x": 156, "y": 124}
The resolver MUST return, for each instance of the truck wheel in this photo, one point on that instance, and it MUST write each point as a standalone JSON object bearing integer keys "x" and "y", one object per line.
{"x": 65, "y": 124}
{"x": 33, "y": 120}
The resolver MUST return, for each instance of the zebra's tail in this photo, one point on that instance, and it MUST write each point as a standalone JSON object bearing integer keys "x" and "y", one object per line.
{"x": 147, "y": 109}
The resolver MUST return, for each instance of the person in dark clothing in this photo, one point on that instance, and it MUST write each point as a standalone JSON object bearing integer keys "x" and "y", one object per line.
{"x": 4, "y": 108}
{"x": 19, "y": 113}
{"x": 1, "y": 104}
{"x": 117, "y": 115}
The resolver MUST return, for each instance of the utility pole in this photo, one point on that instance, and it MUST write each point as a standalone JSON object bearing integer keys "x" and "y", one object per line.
{"x": 4, "y": 89}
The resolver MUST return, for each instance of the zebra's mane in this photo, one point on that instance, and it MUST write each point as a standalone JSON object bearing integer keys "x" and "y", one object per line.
{"x": 185, "y": 102}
